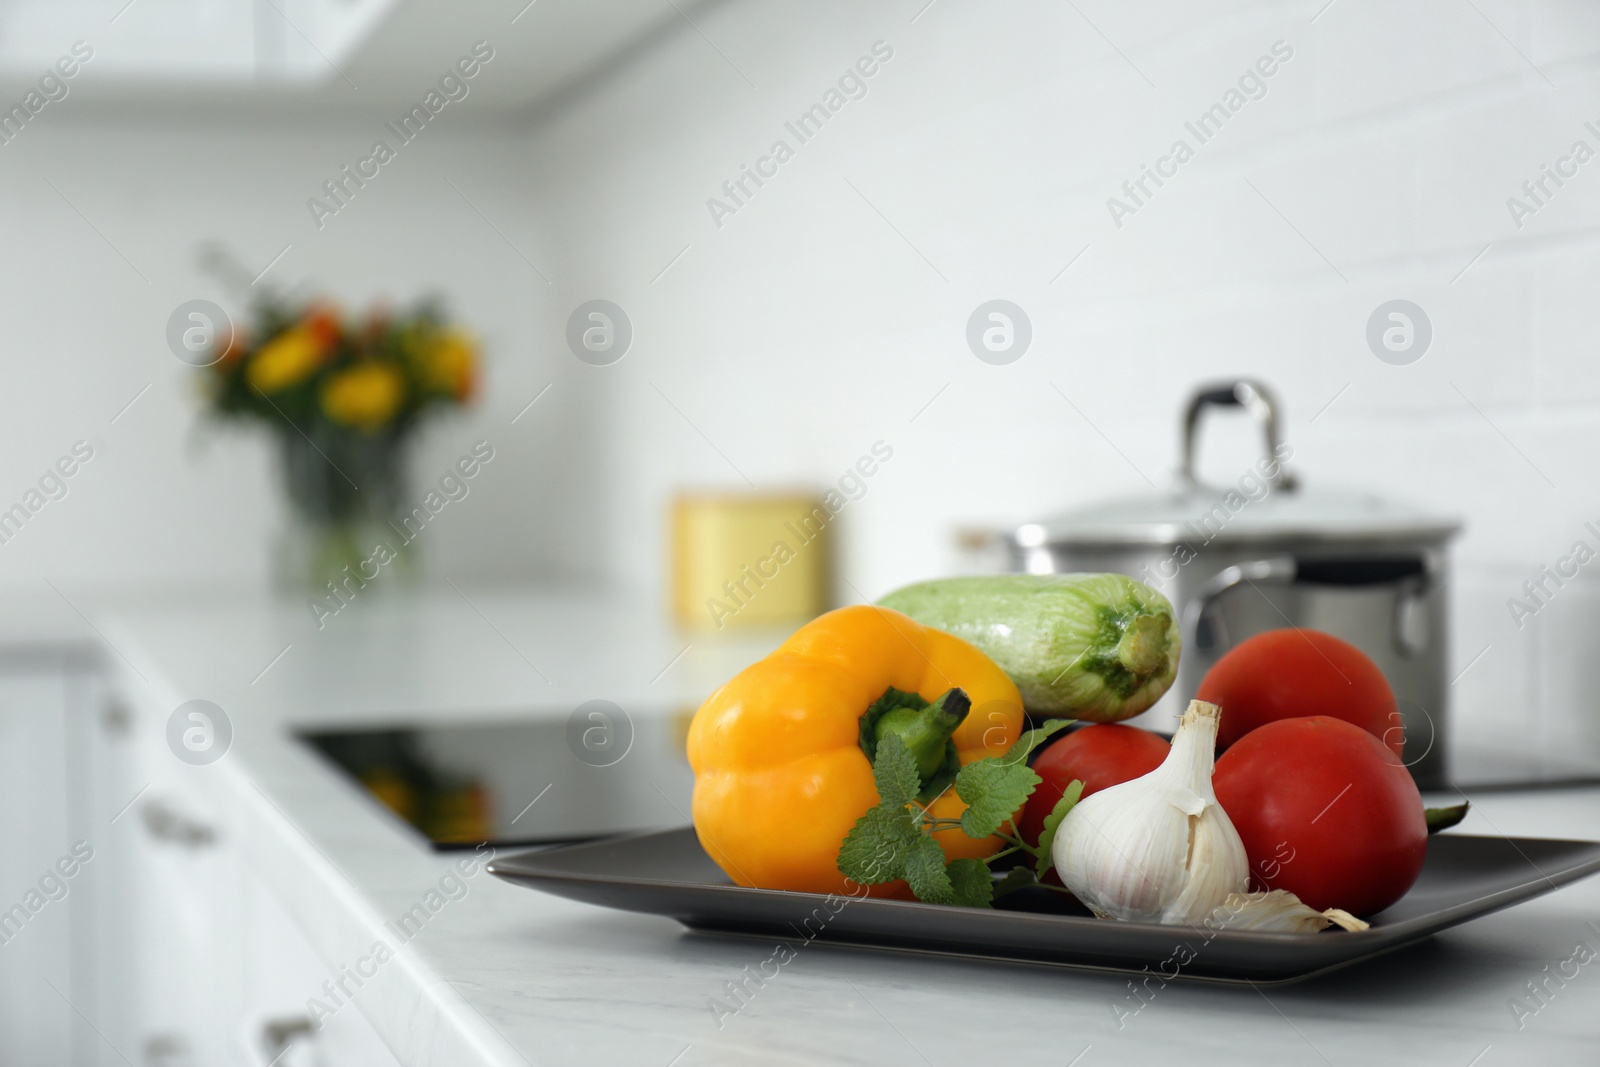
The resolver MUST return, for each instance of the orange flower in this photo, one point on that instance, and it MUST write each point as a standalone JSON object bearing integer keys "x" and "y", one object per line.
{"x": 233, "y": 349}
{"x": 322, "y": 324}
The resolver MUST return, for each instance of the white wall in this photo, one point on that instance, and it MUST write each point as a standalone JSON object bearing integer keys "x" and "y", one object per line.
{"x": 831, "y": 309}
{"x": 806, "y": 326}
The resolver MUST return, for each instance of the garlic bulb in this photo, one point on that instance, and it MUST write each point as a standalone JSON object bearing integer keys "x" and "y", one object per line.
{"x": 1159, "y": 848}
{"x": 1279, "y": 911}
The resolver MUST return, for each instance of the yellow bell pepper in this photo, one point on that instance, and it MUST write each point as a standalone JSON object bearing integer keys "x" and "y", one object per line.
{"x": 780, "y": 753}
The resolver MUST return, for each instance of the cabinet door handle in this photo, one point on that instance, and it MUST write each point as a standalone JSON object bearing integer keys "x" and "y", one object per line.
{"x": 280, "y": 1036}
{"x": 167, "y": 825}
{"x": 167, "y": 1050}
{"x": 115, "y": 718}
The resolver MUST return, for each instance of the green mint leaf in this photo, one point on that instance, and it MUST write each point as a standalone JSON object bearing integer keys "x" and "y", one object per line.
{"x": 1016, "y": 878}
{"x": 993, "y": 790}
{"x": 873, "y": 851}
{"x": 1052, "y": 823}
{"x": 970, "y": 883}
{"x": 894, "y": 771}
{"x": 925, "y": 872}
{"x": 1032, "y": 739}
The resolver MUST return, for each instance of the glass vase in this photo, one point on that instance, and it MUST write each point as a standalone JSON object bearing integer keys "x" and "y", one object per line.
{"x": 345, "y": 490}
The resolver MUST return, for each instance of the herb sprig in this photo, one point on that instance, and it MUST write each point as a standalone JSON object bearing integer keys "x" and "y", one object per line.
{"x": 894, "y": 840}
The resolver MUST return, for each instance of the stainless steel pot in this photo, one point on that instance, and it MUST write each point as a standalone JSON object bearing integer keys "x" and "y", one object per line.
{"x": 1263, "y": 553}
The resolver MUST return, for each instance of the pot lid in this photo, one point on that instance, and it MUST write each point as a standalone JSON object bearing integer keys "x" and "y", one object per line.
{"x": 1253, "y": 513}
{"x": 1265, "y": 504}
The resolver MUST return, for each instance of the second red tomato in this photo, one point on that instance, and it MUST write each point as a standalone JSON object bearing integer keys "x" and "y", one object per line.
{"x": 1294, "y": 673}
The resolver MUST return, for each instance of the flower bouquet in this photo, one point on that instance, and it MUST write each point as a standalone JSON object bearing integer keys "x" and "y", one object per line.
{"x": 343, "y": 398}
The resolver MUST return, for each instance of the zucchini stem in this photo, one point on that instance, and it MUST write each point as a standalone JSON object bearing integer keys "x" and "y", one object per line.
{"x": 1143, "y": 648}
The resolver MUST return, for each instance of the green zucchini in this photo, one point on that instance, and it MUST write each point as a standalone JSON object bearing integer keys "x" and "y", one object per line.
{"x": 1097, "y": 647}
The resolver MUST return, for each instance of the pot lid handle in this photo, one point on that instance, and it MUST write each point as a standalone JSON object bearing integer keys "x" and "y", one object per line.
{"x": 1256, "y": 399}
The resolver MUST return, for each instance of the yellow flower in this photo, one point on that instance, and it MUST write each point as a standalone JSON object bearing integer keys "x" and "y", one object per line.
{"x": 450, "y": 364}
{"x": 287, "y": 359}
{"x": 365, "y": 396}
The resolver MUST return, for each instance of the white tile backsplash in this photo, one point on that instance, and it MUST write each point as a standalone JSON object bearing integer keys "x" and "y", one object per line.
{"x": 1390, "y": 141}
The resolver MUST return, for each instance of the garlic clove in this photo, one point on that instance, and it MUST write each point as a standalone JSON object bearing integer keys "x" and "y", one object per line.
{"x": 1158, "y": 848}
{"x": 1279, "y": 911}
{"x": 1188, "y": 801}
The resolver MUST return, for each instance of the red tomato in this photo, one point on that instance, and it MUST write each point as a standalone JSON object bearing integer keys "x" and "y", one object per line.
{"x": 1102, "y": 755}
{"x": 1293, "y": 673}
{"x": 1326, "y": 811}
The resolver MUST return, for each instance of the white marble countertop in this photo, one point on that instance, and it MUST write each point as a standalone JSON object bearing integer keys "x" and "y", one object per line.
{"x": 508, "y": 976}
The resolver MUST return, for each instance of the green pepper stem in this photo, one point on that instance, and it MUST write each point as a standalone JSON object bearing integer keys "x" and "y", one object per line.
{"x": 1143, "y": 648}
{"x": 926, "y": 731}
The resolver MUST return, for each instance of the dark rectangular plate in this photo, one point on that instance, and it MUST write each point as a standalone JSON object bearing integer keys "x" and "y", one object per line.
{"x": 668, "y": 873}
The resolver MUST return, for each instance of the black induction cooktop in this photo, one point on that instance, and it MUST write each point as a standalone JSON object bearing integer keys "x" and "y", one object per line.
{"x": 544, "y": 779}
{"x": 563, "y": 776}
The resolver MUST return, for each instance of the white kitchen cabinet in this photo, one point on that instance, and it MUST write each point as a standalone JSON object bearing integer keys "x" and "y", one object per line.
{"x": 195, "y": 963}
{"x": 166, "y": 949}
{"x": 283, "y": 972}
